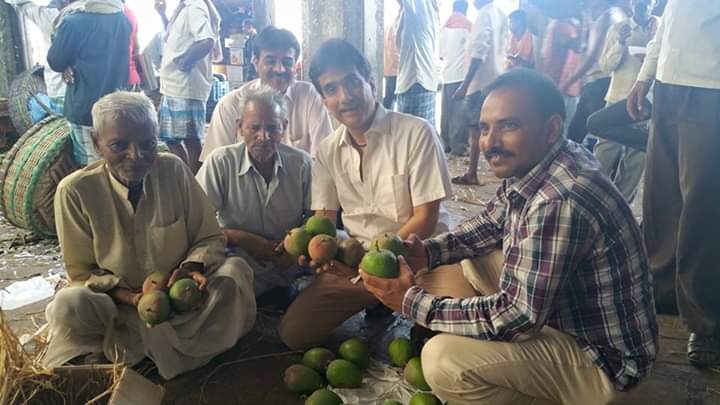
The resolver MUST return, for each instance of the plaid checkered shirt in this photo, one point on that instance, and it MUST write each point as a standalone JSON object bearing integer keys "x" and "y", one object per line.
{"x": 574, "y": 260}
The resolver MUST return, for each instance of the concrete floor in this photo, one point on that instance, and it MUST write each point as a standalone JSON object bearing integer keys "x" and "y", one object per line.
{"x": 251, "y": 373}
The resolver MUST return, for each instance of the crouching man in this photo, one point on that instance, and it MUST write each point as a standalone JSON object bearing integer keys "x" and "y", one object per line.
{"x": 565, "y": 313}
{"x": 260, "y": 187}
{"x": 123, "y": 217}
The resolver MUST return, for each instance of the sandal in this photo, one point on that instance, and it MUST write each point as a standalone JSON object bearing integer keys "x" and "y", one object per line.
{"x": 465, "y": 180}
{"x": 703, "y": 351}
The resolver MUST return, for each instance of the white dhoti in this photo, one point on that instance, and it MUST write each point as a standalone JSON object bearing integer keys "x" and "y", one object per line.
{"x": 82, "y": 321}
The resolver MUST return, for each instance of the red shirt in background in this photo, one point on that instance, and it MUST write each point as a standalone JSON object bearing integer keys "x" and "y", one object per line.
{"x": 133, "y": 75}
{"x": 520, "y": 52}
{"x": 560, "y": 61}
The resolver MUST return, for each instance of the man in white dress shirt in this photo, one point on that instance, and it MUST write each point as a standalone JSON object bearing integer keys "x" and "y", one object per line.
{"x": 275, "y": 55}
{"x": 387, "y": 172}
{"x": 682, "y": 186}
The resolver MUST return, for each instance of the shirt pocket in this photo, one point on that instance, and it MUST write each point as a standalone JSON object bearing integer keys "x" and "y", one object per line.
{"x": 168, "y": 245}
{"x": 401, "y": 204}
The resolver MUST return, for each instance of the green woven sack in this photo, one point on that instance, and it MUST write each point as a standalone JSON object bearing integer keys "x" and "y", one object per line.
{"x": 23, "y": 87}
{"x": 31, "y": 171}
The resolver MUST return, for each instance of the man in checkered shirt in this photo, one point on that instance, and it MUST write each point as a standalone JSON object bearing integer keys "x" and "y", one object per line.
{"x": 559, "y": 305}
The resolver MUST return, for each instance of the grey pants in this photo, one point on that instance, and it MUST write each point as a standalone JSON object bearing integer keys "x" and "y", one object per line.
{"x": 681, "y": 204}
{"x": 451, "y": 121}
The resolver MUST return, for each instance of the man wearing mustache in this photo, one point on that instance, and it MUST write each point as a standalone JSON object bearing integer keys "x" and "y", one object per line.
{"x": 275, "y": 56}
{"x": 387, "y": 172}
{"x": 563, "y": 313}
{"x": 260, "y": 188}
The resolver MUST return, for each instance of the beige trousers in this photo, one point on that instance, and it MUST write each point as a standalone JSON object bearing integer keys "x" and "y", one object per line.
{"x": 550, "y": 368}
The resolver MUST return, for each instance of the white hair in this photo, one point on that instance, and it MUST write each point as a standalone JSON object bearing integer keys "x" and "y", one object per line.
{"x": 124, "y": 105}
{"x": 264, "y": 95}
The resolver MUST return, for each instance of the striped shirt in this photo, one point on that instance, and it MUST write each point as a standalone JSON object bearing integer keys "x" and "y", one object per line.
{"x": 573, "y": 260}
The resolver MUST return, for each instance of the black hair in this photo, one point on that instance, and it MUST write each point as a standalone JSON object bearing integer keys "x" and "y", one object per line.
{"x": 337, "y": 53}
{"x": 545, "y": 94}
{"x": 460, "y": 6}
{"x": 519, "y": 15}
{"x": 272, "y": 37}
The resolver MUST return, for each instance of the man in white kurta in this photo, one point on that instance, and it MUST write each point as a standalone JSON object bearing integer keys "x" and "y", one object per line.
{"x": 112, "y": 238}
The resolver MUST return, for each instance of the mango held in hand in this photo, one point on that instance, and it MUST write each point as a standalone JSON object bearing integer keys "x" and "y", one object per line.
{"x": 318, "y": 358}
{"x": 155, "y": 281}
{"x": 301, "y": 380}
{"x": 343, "y": 374}
{"x": 401, "y": 351}
{"x": 296, "y": 242}
{"x": 322, "y": 249}
{"x": 185, "y": 295}
{"x": 380, "y": 263}
{"x": 154, "y": 307}
{"x": 414, "y": 374}
{"x": 350, "y": 252}
{"x": 389, "y": 241}
{"x": 320, "y": 225}
{"x": 424, "y": 398}
{"x": 354, "y": 350}
{"x": 323, "y": 396}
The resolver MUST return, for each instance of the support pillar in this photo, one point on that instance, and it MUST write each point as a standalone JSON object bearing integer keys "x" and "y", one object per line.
{"x": 358, "y": 21}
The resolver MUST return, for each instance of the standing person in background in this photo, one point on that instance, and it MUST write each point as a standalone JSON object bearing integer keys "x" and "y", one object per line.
{"x": 453, "y": 37}
{"x": 186, "y": 77}
{"x": 682, "y": 186}
{"x": 521, "y": 52}
{"x": 417, "y": 40}
{"x": 390, "y": 61}
{"x": 248, "y": 28}
{"x": 486, "y": 57}
{"x": 134, "y": 57}
{"x": 624, "y": 165}
{"x": 561, "y": 58}
{"x": 595, "y": 80}
{"x": 90, "y": 46}
{"x": 43, "y": 17}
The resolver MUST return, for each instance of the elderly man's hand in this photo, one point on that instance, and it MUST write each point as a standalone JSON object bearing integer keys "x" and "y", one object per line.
{"x": 390, "y": 291}
{"x": 191, "y": 270}
{"x": 282, "y": 260}
{"x": 68, "y": 76}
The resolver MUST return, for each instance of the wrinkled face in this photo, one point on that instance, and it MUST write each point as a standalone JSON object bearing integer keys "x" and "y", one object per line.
{"x": 514, "y": 136}
{"x": 276, "y": 67}
{"x": 129, "y": 148}
{"x": 642, "y": 9}
{"x": 348, "y": 96}
{"x": 262, "y": 128}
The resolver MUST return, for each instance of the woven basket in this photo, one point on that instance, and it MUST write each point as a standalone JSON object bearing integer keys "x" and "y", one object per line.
{"x": 24, "y": 86}
{"x": 31, "y": 171}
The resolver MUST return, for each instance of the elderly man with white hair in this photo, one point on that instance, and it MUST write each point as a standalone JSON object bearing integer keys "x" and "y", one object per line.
{"x": 123, "y": 217}
{"x": 260, "y": 187}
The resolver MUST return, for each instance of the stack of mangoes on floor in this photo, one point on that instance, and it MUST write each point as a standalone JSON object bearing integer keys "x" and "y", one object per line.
{"x": 320, "y": 367}
{"x": 158, "y": 302}
{"x": 317, "y": 241}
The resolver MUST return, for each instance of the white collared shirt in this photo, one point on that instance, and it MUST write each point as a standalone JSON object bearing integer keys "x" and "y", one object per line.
{"x": 453, "y": 40}
{"x": 244, "y": 200}
{"x": 417, "y": 42}
{"x": 403, "y": 166}
{"x": 189, "y": 24}
{"x": 617, "y": 60}
{"x": 308, "y": 120}
{"x": 488, "y": 39}
{"x": 686, "y": 47}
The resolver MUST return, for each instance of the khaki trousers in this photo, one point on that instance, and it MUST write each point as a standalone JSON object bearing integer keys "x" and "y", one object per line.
{"x": 550, "y": 368}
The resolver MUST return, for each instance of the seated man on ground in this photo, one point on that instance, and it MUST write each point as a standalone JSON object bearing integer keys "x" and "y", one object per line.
{"x": 275, "y": 55}
{"x": 387, "y": 172}
{"x": 260, "y": 188}
{"x": 564, "y": 313}
{"x": 118, "y": 220}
